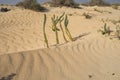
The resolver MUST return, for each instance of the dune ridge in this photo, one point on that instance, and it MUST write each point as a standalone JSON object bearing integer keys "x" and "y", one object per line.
{"x": 72, "y": 61}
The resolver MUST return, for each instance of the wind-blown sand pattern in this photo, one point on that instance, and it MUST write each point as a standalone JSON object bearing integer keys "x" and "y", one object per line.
{"x": 91, "y": 56}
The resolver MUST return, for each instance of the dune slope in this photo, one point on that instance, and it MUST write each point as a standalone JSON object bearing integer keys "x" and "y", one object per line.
{"x": 84, "y": 59}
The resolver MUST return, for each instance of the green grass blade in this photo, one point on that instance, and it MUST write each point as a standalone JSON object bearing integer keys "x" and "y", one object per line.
{"x": 66, "y": 29}
{"x": 105, "y": 28}
{"x": 45, "y": 37}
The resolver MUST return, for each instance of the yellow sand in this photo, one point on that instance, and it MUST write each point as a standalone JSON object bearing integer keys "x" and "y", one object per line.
{"x": 91, "y": 55}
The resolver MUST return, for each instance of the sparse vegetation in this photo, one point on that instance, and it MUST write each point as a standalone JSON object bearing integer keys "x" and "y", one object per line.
{"x": 4, "y": 10}
{"x": 105, "y": 20}
{"x": 96, "y": 2}
{"x": 68, "y": 3}
{"x": 31, "y": 4}
{"x": 115, "y": 6}
{"x": 1, "y": 4}
{"x": 111, "y": 20}
{"x": 100, "y": 11}
{"x": 105, "y": 30}
{"x": 9, "y": 77}
{"x": 55, "y": 20}
{"x": 112, "y": 33}
{"x": 87, "y": 16}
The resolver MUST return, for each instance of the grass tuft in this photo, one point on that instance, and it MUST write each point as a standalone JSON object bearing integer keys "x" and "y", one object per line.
{"x": 87, "y": 16}
{"x": 55, "y": 21}
{"x": 66, "y": 21}
{"x": 31, "y": 4}
{"x": 105, "y": 30}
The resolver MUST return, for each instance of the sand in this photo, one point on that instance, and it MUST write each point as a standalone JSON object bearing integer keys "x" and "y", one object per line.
{"x": 91, "y": 56}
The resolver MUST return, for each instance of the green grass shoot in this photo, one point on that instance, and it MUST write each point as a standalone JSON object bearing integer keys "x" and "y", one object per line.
{"x": 55, "y": 21}
{"x": 66, "y": 21}
{"x": 106, "y": 30}
{"x": 45, "y": 37}
{"x": 62, "y": 30}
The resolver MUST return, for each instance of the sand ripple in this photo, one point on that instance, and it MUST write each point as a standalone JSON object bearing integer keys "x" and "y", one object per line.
{"x": 98, "y": 57}
{"x": 23, "y": 52}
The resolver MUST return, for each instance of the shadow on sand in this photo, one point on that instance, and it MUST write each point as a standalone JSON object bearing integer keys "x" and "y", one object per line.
{"x": 9, "y": 77}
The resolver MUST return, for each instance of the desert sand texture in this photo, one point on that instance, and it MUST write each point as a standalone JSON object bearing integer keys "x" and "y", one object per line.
{"x": 91, "y": 56}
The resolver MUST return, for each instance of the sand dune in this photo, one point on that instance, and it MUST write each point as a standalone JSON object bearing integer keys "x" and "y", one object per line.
{"x": 72, "y": 61}
{"x": 24, "y": 56}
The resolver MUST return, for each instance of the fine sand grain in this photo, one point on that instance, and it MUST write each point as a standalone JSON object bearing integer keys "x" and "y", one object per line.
{"x": 92, "y": 56}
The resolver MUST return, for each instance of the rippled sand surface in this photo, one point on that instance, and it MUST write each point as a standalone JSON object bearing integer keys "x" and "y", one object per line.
{"x": 91, "y": 56}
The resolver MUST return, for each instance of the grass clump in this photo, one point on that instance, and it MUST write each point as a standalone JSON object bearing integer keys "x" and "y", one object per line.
{"x": 95, "y": 9}
{"x": 68, "y": 3}
{"x": 97, "y": 2}
{"x": 115, "y": 6}
{"x": 87, "y": 16}
{"x": 105, "y": 30}
{"x": 55, "y": 21}
{"x": 31, "y": 4}
{"x": 112, "y": 33}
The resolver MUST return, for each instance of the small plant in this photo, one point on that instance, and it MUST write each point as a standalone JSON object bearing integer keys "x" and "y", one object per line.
{"x": 1, "y": 4}
{"x": 45, "y": 37}
{"x": 106, "y": 30}
{"x": 9, "y": 77}
{"x": 95, "y": 9}
{"x": 87, "y": 16}
{"x": 31, "y": 4}
{"x": 98, "y": 3}
{"x": 118, "y": 32}
{"x": 62, "y": 30}
{"x": 55, "y": 21}
{"x": 115, "y": 6}
{"x": 105, "y": 20}
{"x": 70, "y": 14}
{"x": 68, "y": 3}
{"x": 66, "y": 21}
